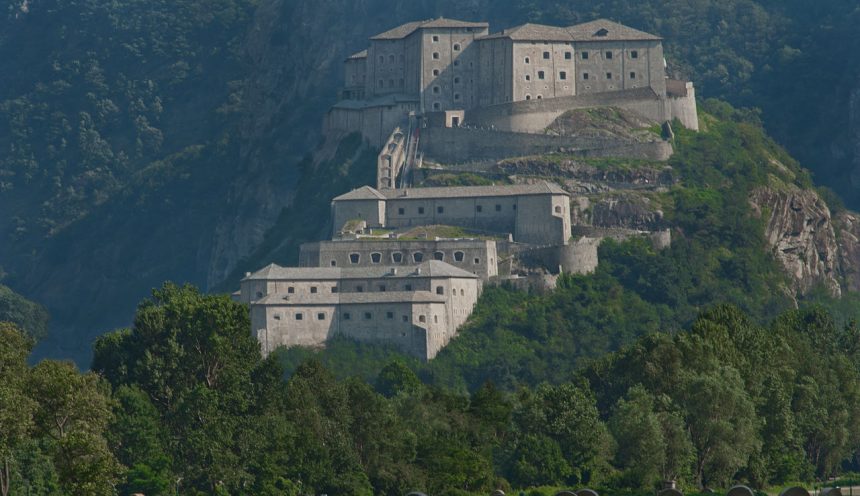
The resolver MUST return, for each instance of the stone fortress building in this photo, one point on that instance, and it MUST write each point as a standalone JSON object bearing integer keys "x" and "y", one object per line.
{"x": 406, "y": 265}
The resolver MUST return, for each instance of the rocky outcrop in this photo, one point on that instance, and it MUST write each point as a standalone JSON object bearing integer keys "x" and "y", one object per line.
{"x": 583, "y": 176}
{"x": 800, "y": 233}
{"x": 848, "y": 238}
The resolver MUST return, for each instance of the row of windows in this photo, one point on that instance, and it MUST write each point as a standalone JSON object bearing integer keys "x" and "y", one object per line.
{"x": 381, "y": 83}
{"x": 397, "y": 257}
{"x": 608, "y": 55}
{"x": 381, "y": 59}
{"x": 441, "y": 210}
{"x": 586, "y": 76}
{"x": 367, "y": 316}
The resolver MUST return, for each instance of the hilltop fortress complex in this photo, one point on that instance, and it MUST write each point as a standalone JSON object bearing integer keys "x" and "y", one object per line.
{"x": 405, "y": 265}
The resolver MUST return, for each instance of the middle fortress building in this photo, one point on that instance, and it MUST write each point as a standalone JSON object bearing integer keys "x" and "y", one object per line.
{"x": 406, "y": 265}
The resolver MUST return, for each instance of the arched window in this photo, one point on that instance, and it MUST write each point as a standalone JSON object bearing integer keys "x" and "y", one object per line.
{"x": 456, "y": 47}
{"x": 435, "y": 55}
{"x": 459, "y": 255}
{"x": 558, "y": 209}
{"x": 375, "y": 258}
{"x": 418, "y": 257}
{"x": 397, "y": 257}
{"x": 391, "y": 58}
{"x": 527, "y": 60}
{"x": 462, "y": 292}
{"x": 354, "y": 258}
{"x": 439, "y": 255}
{"x": 528, "y": 97}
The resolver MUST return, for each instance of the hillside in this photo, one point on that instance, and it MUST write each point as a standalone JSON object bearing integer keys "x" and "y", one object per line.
{"x": 145, "y": 141}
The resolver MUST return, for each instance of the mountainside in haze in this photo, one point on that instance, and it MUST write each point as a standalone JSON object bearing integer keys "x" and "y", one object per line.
{"x": 144, "y": 141}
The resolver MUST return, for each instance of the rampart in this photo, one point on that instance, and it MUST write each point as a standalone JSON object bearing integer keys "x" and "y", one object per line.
{"x": 390, "y": 159}
{"x": 453, "y": 145}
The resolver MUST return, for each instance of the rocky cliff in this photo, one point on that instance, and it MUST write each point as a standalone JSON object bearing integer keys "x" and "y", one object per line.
{"x": 815, "y": 248}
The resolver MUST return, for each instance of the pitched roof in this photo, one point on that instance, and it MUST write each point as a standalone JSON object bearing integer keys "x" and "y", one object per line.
{"x": 599, "y": 30}
{"x": 405, "y": 30}
{"x": 358, "y": 55}
{"x": 362, "y": 193}
{"x": 532, "y": 32}
{"x": 541, "y": 188}
{"x": 430, "y": 268}
{"x": 606, "y": 30}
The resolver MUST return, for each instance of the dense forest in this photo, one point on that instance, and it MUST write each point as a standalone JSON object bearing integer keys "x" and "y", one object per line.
{"x": 145, "y": 141}
{"x": 183, "y": 402}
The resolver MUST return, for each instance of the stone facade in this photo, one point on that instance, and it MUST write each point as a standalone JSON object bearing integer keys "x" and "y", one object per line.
{"x": 417, "y": 309}
{"x": 534, "y": 213}
{"x": 477, "y": 256}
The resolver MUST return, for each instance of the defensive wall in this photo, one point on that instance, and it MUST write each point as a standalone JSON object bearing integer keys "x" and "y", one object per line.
{"x": 454, "y": 145}
{"x": 472, "y": 255}
{"x": 577, "y": 257}
{"x": 373, "y": 119}
{"x": 534, "y": 116}
{"x": 390, "y": 159}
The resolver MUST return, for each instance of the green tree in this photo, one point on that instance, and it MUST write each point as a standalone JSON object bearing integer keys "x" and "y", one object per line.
{"x": 16, "y": 408}
{"x": 638, "y": 432}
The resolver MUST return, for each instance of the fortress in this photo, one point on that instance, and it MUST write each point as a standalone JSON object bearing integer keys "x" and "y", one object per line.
{"x": 406, "y": 264}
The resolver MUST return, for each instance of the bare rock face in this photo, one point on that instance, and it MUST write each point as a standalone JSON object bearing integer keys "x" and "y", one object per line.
{"x": 626, "y": 211}
{"x": 801, "y": 235}
{"x": 848, "y": 226}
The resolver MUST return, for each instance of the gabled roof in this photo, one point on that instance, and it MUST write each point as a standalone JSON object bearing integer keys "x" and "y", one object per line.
{"x": 532, "y": 32}
{"x": 405, "y": 30}
{"x": 362, "y": 193}
{"x": 358, "y": 55}
{"x": 606, "y": 30}
{"x": 541, "y": 188}
{"x": 286, "y": 300}
{"x": 599, "y": 30}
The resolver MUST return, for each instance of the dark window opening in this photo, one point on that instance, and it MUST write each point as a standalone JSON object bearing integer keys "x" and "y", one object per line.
{"x": 546, "y": 55}
{"x": 440, "y": 210}
{"x": 420, "y": 210}
{"x": 458, "y": 256}
{"x": 354, "y": 258}
{"x": 440, "y": 290}
{"x": 401, "y": 211}
{"x": 439, "y": 255}
{"x": 346, "y": 316}
{"x": 313, "y": 289}
{"x": 320, "y": 316}
{"x": 375, "y": 257}
{"x": 585, "y": 75}
{"x": 368, "y": 315}
{"x": 291, "y": 290}
{"x": 632, "y": 75}
{"x": 479, "y": 208}
{"x": 299, "y": 316}
{"x": 634, "y": 54}
{"x": 541, "y": 75}
{"x": 608, "y": 75}
{"x": 568, "y": 55}
{"x": 562, "y": 75}
{"x": 418, "y": 257}
{"x": 397, "y": 257}
{"x": 498, "y": 208}
{"x": 584, "y": 55}
{"x": 389, "y": 315}
{"x": 608, "y": 55}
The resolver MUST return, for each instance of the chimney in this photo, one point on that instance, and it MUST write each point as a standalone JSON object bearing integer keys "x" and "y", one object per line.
{"x": 418, "y": 270}
{"x": 394, "y": 271}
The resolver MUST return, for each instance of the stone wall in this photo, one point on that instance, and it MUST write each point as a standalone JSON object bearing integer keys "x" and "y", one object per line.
{"x": 371, "y": 211}
{"x": 374, "y": 121}
{"x": 455, "y": 145}
{"x": 476, "y": 256}
{"x": 578, "y": 257}
{"x": 390, "y": 160}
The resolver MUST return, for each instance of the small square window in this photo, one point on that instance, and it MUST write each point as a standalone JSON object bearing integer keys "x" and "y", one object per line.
{"x": 401, "y": 211}
{"x": 405, "y": 319}
{"x": 382, "y": 288}
{"x": 397, "y": 257}
{"x": 479, "y": 208}
{"x": 634, "y": 54}
{"x": 541, "y": 75}
{"x": 562, "y": 75}
{"x": 498, "y": 208}
{"x": 609, "y": 75}
{"x": 359, "y": 289}
{"x": 456, "y": 63}
{"x": 321, "y": 316}
{"x": 457, "y": 80}
{"x": 435, "y": 55}
{"x": 436, "y": 90}
{"x": 632, "y": 75}
{"x": 584, "y": 55}
{"x": 568, "y": 55}
{"x": 376, "y": 258}
{"x": 389, "y": 315}
{"x": 408, "y": 287}
{"x": 546, "y": 55}
{"x": 608, "y": 55}
{"x": 528, "y": 77}
{"x": 334, "y": 289}
{"x": 346, "y": 316}
{"x": 299, "y": 316}
{"x": 420, "y": 210}
{"x": 368, "y": 315}
{"x": 435, "y": 72}
{"x": 435, "y": 38}
{"x": 456, "y": 97}
{"x": 291, "y": 290}
{"x": 526, "y": 60}
{"x": 440, "y": 210}
{"x": 313, "y": 289}
{"x": 477, "y": 261}
{"x": 334, "y": 263}
{"x": 354, "y": 258}
{"x": 436, "y": 106}
{"x": 456, "y": 47}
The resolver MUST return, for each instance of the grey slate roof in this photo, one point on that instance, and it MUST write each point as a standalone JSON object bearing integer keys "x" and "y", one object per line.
{"x": 532, "y": 32}
{"x": 405, "y": 30}
{"x": 362, "y": 193}
{"x": 614, "y": 32}
{"x": 358, "y": 55}
{"x": 581, "y": 32}
{"x": 541, "y": 188}
{"x": 431, "y": 268}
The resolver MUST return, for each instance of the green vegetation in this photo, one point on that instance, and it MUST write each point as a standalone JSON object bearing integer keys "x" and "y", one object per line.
{"x": 26, "y": 315}
{"x": 459, "y": 179}
{"x": 183, "y": 402}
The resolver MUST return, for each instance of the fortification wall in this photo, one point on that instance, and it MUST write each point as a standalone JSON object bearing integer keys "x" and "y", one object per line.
{"x": 373, "y": 122}
{"x": 684, "y": 109}
{"x": 578, "y": 257}
{"x": 453, "y": 145}
{"x": 390, "y": 159}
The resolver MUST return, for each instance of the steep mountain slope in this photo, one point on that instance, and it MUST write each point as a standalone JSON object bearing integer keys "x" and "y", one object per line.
{"x": 143, "y": 141}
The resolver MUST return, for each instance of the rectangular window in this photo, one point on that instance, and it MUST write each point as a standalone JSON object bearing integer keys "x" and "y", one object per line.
{"x": 421, "y": 210}
{"x": 291, "y": 290}
{"x": 584, "y": 55}
{"x": 634, "y": 54}
{"x": 382, "y": 288}
{"x": 479, "y": 208}
{"x": 359, "y": 289}
{"x": 368, "y": 315}
{"x": 435, "y": 38}
{"x": 346, "y": 316}
{"x": 608, "y": 55}
{"x": 632, "y": 75}
{"x": 585, "y": 75}
{"x": 546, "y": 55}
{"x": 498, "y": 208}
{"x": 334, "y": 289}
{"x": 389, "y": 315}
{"x": 440, "y": 210}
{"x": 568, "y": 55}
{"x": 435, "y": 55}
{"x": 299, "y": 316}
{"x": 562, "y": 75}
{"x": 608, "y": 75}
{"x": 401, "y": 211}
{"x": 541, "y": 75}
{"x": 313, "y": 289}
{"x": 408, "y": 287}
{"x": 320, "y": 316}
{"x": 435, "y": 72}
